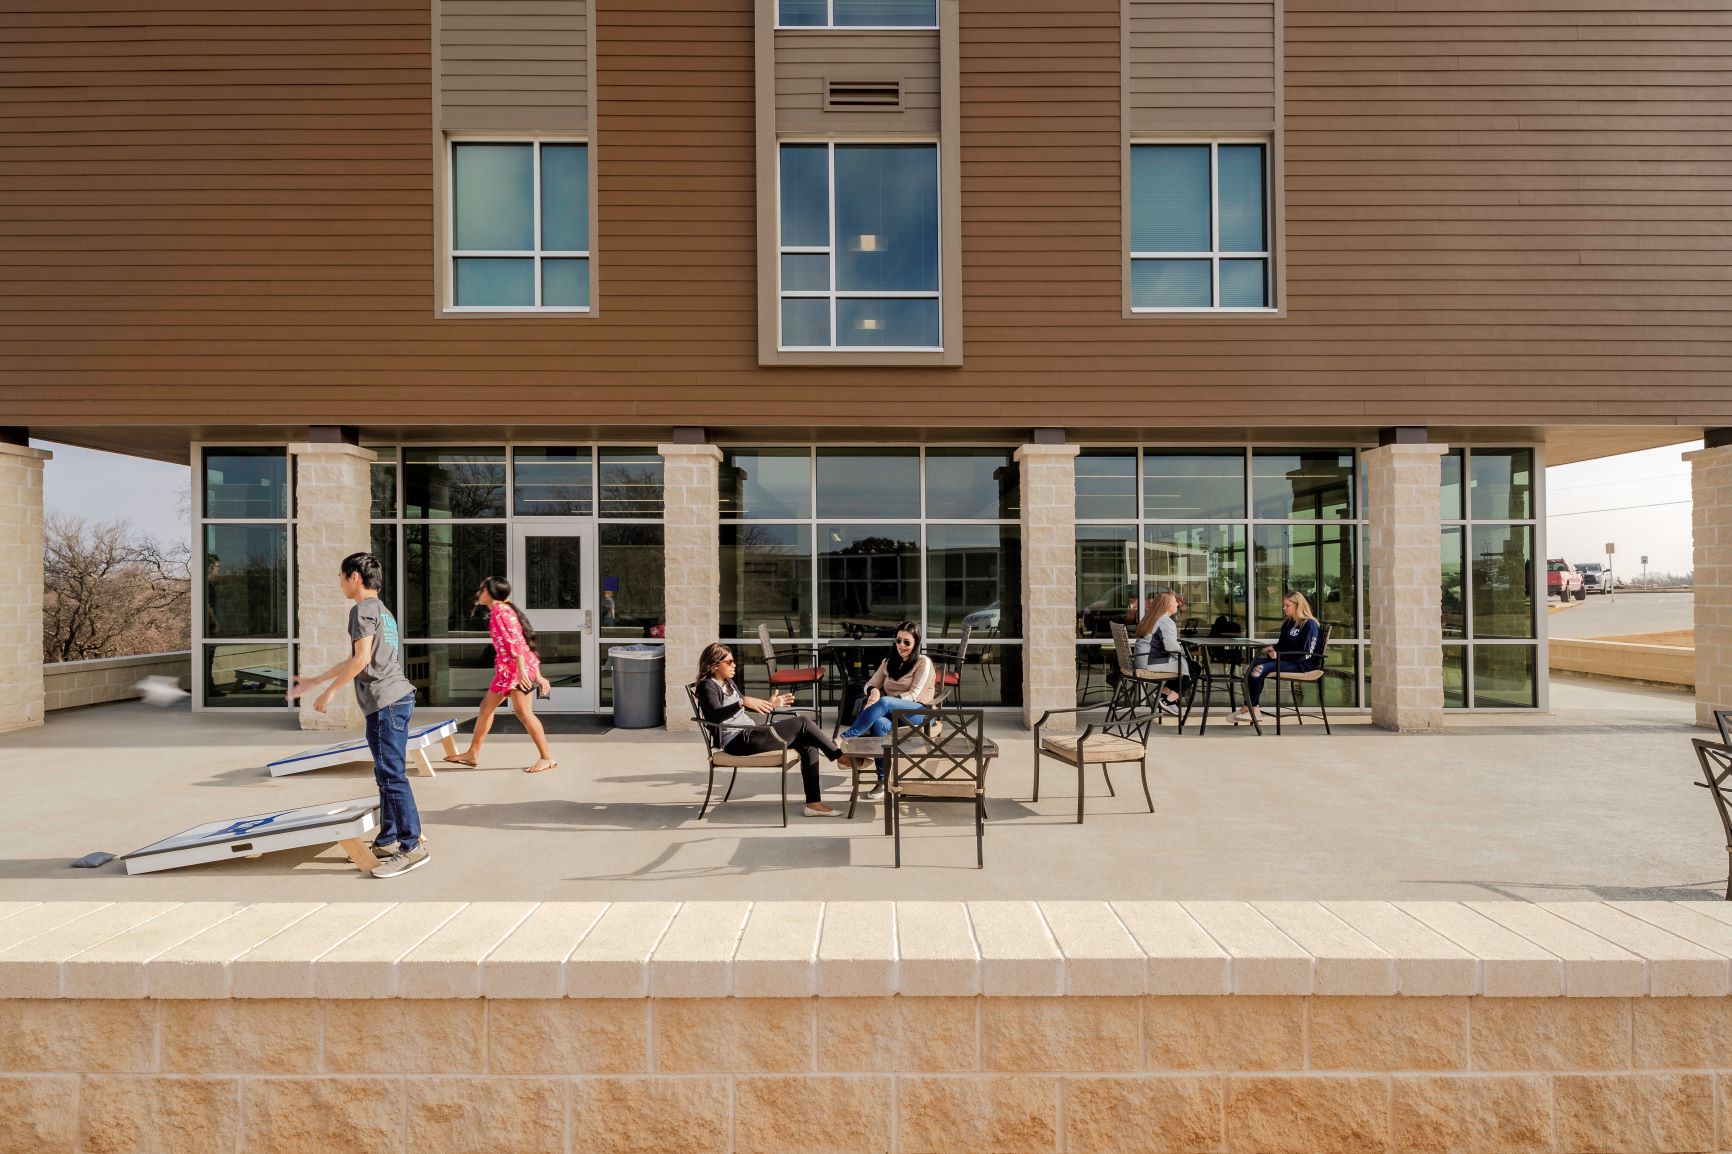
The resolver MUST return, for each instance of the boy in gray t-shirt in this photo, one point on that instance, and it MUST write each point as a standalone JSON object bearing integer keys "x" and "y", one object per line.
{"x": 387, "y": 697}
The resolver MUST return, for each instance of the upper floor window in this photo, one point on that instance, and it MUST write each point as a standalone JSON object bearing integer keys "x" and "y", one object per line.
{"x": 1200, "y": 227}
{"x": 857, "y": 13}
{"x": 519, "y": 225}
{"x": 858, "y": 251}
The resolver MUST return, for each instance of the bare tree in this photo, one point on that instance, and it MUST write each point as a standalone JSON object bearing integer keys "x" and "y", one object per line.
{"x": 110, "y": 591}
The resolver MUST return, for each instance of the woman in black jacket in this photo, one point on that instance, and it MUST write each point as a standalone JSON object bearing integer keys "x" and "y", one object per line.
{"x": 729, "y": 710}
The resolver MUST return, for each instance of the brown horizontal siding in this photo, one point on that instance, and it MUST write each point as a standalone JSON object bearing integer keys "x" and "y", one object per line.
{"x": 513, "y": 65}
{"x": 218, "y": 215}
{"x": 806, "y": 60}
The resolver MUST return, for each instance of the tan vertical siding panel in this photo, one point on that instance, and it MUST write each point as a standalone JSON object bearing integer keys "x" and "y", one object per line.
{"x": 514, "y": 66}
{"x": 806, "y": 60}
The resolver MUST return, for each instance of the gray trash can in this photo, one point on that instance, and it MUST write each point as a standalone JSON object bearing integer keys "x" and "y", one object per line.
{"x": 639, "y": 686}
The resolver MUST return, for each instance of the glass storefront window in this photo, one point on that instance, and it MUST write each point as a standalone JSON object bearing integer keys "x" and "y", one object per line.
{"x": 766, "y": 577}
{"x": 991, "y": 674}
{"x": 384, "y": 547}
{"x": 1204, "y": 564}
{"x": 1194, "y": 486}
{"x": 1501, "y": 568}
{"x": 868, "y": 578}
{"x": 455, "y": 484}
{"x": 1302, "y": 486}
{"x": 1502, "y": 484}
{"x": 443, "y": 565}
{"x": 631, "y": 483}
{"x": 247, "y": 676}
{"x": 384, "y": 485}
{"x": 972, "y": 484}
{"x": 1503, "y": 676}
{"x": 974, "y": 576}
{"x": 556, "y": 482}
{"x": 1316, "y": 560}
{"x": 246, "y": 483}
{"x": 246, "y": 581}
{"x": 771, "y": 484}
{"x": 1454, "y": 676}
{"x": 633, "y": 598}
{"x": 1450, "y": 489}
{"x": 449, "y": 674}
{"x": 1454, "y": 583}
{"x": 1106, "y": 484}
{"x": 874, "y": 483}
{"x": 1106, "y": 576}
{"x": 561, "y": 658}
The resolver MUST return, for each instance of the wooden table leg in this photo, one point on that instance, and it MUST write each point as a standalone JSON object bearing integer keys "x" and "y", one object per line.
{"x": 359, "y": 854}
{"x": 424, "y": 762}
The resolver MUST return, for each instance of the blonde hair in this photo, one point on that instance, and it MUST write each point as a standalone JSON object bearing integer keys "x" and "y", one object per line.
{"x": 1301, "y": 607}
{"x": 1160, "y": 605}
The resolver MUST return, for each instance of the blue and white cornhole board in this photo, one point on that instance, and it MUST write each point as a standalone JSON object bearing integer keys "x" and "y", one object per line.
{"x": 344, "y": 823}
{"x": 355, "y": 749}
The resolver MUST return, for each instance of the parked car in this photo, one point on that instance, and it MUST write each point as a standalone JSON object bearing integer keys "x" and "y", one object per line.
{"x": 1595, "y": 579}
{"x": 1563, "y": 581}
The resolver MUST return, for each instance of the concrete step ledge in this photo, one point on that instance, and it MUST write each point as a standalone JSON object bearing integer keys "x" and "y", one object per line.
{"x": 862, "y": 949}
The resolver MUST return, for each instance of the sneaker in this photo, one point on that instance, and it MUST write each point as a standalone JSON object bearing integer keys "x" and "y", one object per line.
{"x": 385, "y": 849}
{"x": 876, "y": 793}
{"x": 402, "y": 862}
{"x": 1170, "y": 708}
{"x": 814, "y": 811}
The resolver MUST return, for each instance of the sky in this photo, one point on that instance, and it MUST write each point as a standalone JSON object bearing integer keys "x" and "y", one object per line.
{"x": 1587, "y": 504}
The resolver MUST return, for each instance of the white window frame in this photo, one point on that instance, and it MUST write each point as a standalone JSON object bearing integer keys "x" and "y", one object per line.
{"x": 1214, "y": 256}
{"x": 453, "y": 253}
{"x": 830, "y": 24}
{"x": 833, "y": 294}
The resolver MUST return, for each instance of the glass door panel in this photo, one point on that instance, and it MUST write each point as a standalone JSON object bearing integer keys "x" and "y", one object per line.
{"x": 553, "y": 579}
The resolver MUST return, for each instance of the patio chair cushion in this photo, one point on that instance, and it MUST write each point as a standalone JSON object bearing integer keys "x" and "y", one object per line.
{"x": 1313, "y": 675}
{"x": 1101, "y": 747}
{"x": 801, "y": 676}
{"x": 920, "y": 788}
{"x": 775, "y": 759}
{"x": 949, "y": 677}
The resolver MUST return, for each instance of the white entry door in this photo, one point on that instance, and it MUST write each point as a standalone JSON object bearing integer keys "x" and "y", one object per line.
{"x": 553, "y": 581}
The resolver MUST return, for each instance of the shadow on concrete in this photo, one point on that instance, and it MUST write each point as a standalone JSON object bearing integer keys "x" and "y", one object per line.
{"x": 1707, "y": 891}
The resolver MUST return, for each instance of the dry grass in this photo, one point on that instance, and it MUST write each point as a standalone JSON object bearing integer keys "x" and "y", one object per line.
{"x": 1685, "y": 638}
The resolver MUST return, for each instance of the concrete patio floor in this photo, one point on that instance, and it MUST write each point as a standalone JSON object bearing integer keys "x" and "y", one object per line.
{"x": 1592, "y": 802}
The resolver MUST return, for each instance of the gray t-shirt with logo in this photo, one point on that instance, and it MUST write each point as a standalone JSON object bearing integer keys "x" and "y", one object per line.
{"x": 382, "y": 682}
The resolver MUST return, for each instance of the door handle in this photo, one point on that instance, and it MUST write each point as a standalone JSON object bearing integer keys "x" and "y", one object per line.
{"x": 588, "y": 621}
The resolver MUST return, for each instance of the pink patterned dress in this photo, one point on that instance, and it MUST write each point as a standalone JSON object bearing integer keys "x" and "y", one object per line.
{"x": 508, "y": 642}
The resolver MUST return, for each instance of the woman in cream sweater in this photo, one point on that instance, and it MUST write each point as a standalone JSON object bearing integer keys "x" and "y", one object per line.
{"x": 904, "y": 679}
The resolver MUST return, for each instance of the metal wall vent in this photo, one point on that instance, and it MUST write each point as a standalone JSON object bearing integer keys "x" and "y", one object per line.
{"x": 863, "y": 95}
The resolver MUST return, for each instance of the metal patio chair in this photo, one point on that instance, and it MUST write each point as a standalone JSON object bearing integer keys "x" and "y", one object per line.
{"x": 1138, "y": 687}
{"x": 1121, "y": 735}
{"x": 1715, "y": 760}
{"x": 948, "y": 666}
{"x": 781, "y": 759}
{"x": 1295, "y": 680}
{"x": 941, "y": 757}
{"x": 794, "y": 673}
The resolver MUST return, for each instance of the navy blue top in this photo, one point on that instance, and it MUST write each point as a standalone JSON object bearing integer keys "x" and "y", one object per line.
{"x": 1298, "y": 643}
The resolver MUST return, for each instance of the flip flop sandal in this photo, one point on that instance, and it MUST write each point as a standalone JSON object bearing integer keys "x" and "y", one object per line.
{"x": 544, "y": 768}
{"x": 459, "y": 759}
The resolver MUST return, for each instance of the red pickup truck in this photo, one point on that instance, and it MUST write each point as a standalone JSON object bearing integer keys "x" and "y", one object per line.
{"x": 1564, "y": 581}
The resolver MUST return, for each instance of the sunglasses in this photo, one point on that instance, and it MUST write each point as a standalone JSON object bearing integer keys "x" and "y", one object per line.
{"x": 902, "y": 642}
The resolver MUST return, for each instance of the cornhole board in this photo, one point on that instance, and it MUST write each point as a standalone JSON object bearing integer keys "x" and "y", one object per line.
{"x": 355, "y": 749}
{"x": 344, "y": 823}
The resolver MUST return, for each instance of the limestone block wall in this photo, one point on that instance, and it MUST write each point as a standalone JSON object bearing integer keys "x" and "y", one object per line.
{"x": 69, "y": 684}
{"x": 865, "y": 1026}
{"x": 690, "y": 560}
{"x": 1624, "y": 660}
{"x": 333, "y": 504}
{"x": 21, "y": 688}
{"x": 1049, "y": 612}
{"x": 1711, "y": 537}
{"x": 1403, "y": 580}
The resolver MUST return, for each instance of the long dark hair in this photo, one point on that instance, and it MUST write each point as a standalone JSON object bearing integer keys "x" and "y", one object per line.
{"x": 894, "y": 664}
{"x": 713, "y": 655}
{"x": 499, "y": 589}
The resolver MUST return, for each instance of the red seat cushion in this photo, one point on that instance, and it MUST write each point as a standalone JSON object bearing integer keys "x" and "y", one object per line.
{"x": 950, "y": 678}
{"x": 796, "y": 676}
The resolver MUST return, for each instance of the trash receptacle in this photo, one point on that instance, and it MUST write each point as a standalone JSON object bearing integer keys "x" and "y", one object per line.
{"x": 639, "y": 685}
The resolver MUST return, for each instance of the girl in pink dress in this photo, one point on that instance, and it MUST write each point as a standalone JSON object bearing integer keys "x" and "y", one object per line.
{"x": 516, "y": 675}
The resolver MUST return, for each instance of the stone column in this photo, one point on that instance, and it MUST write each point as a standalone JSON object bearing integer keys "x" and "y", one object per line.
{"x": 691, "y": 566}
{"x": 333, "y": 515}
{"x": 1711, "y": 531}
{"x": 1403, "y": 576}
{"x": 21, "y": 689}
{"x": 1048, "y": 580}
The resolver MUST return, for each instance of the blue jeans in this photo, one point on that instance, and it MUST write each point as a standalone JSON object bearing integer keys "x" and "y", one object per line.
{"x": 875, "y": 719}
{"x": 1260, "y": 670}
{"x": 388, "y": 740}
